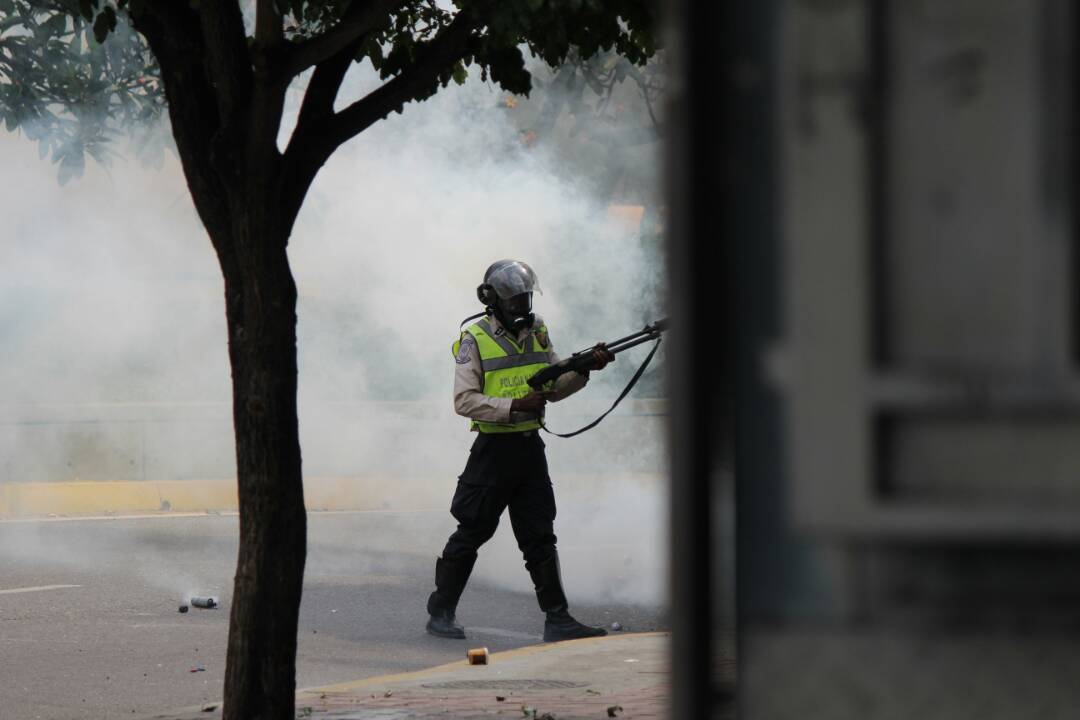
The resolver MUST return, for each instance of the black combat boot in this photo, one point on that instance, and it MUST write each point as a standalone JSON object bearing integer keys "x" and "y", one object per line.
{"x": 450, "y": 578}
{"x": 444, "y": 624}
{"x": 559, "y": 624}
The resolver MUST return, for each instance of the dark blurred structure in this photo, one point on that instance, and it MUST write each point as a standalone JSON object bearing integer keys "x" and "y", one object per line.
{"x": 893, "y": 224}
{"x": 701, "y": 352}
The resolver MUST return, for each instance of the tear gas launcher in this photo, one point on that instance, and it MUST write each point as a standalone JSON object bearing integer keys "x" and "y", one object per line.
{"x": 585, "y": 360}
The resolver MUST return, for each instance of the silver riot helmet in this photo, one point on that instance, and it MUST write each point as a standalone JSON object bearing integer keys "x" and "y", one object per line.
{"x": 507, "y": 290}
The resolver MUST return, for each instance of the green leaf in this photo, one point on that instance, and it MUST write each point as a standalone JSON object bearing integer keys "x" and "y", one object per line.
{"x": 507, "y": 68}
{"x": 104, "y": 24}
{"x": 374, "y": 52}
{"x": 72, "y": 164}
{"x": 101, "y": 28}
{"x": 55, "y": 25}
{"x": 460, "y": 73}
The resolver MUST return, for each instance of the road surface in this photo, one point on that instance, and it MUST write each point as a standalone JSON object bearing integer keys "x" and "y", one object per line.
{"x": 90, "y": 628}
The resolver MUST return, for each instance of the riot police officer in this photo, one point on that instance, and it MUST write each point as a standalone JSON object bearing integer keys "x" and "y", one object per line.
{"x": 507, "y": 468}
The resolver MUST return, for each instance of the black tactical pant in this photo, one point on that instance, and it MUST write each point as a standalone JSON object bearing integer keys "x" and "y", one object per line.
{"x": 504, "y": 470}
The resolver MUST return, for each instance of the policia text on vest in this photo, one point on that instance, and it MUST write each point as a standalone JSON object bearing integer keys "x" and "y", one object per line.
{"x": 507, "y": 368}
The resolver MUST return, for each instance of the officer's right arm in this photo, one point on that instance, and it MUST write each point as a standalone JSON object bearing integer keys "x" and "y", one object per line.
{"x": 469, "y": 398}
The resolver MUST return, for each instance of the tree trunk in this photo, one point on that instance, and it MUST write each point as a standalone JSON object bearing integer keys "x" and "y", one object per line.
{"x": 260, "y": 679}
{"x": 225, "y": 102}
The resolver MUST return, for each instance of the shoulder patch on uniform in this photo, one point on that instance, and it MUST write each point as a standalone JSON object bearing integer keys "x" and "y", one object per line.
{"x": 542, "y": 337}
{"x": 465, "y": 349}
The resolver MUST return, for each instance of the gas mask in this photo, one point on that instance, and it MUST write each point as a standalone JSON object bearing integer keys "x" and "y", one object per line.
{"x": 515, "y": 313}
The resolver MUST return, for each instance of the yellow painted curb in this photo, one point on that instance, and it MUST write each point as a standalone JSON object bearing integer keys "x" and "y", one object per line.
{"x": 29, "y": 499}
{"x": 106, "y": 497}
{"x": 506, "y": 654}
{"x": 90, "y": 497}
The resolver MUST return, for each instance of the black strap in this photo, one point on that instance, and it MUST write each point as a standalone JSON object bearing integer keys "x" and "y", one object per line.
{"x": 471, "y": 317}
{"x": 625, "y": 392}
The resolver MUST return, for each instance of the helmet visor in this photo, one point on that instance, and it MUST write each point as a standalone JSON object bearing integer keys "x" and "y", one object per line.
{"x": 519, "y": 305}
{"x": 514, "y": 279}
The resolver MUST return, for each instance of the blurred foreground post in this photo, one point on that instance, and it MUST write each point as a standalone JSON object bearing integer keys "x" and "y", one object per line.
{"x": 717, "y": 185}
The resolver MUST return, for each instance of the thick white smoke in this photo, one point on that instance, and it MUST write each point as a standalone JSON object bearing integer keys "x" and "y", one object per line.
{"x": 110, "y": 294}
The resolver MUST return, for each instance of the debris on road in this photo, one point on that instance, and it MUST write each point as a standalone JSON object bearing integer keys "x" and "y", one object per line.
{"x": 616, "y": 626}
{"x": 478, "y": 656}
{"x": 614, "y": 710}
{"x": 204, "y": 602}
{"x": 388, "y": 693}
{"x": 183, "y": 608}
{"x": 500, "y": 698}
{"x": 197, "y": 668}
{"x": 209, "y": 708}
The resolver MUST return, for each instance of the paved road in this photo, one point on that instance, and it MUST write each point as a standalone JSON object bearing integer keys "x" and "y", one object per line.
{"x": 89, "y": 626}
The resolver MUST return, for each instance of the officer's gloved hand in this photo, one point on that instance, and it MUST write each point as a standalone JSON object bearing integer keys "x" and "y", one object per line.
{"x": 602, "y": 356}
{"x": 532, "y": 403}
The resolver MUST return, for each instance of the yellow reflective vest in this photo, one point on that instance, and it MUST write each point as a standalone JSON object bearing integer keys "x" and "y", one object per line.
{"x": 507, "y": 366}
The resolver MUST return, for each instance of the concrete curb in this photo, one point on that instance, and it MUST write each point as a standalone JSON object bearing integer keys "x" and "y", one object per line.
{"x": 520, "y": 652}
{"x": 311, "y": 702}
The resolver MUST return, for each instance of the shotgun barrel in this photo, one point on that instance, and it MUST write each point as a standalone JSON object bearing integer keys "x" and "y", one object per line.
{"x": 584, "y": 360}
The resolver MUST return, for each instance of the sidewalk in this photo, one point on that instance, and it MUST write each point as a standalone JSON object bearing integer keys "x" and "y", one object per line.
{"x": 621, "y": 676}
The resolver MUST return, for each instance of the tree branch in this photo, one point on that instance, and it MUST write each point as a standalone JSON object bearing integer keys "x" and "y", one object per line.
{"x": 323, "y": 88}
{"x": 320, "y": 131}
{"x": 306, "y": 154}
{"x": 172, "y": 30}
{"x": 360, "y": 18}
{"x": 434, "y": 59}
{"x": 647, "y": 91}
{"x": 228, "y": 63}
{"x": 250, "y": 93}
{"x": 269, "y": 30}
